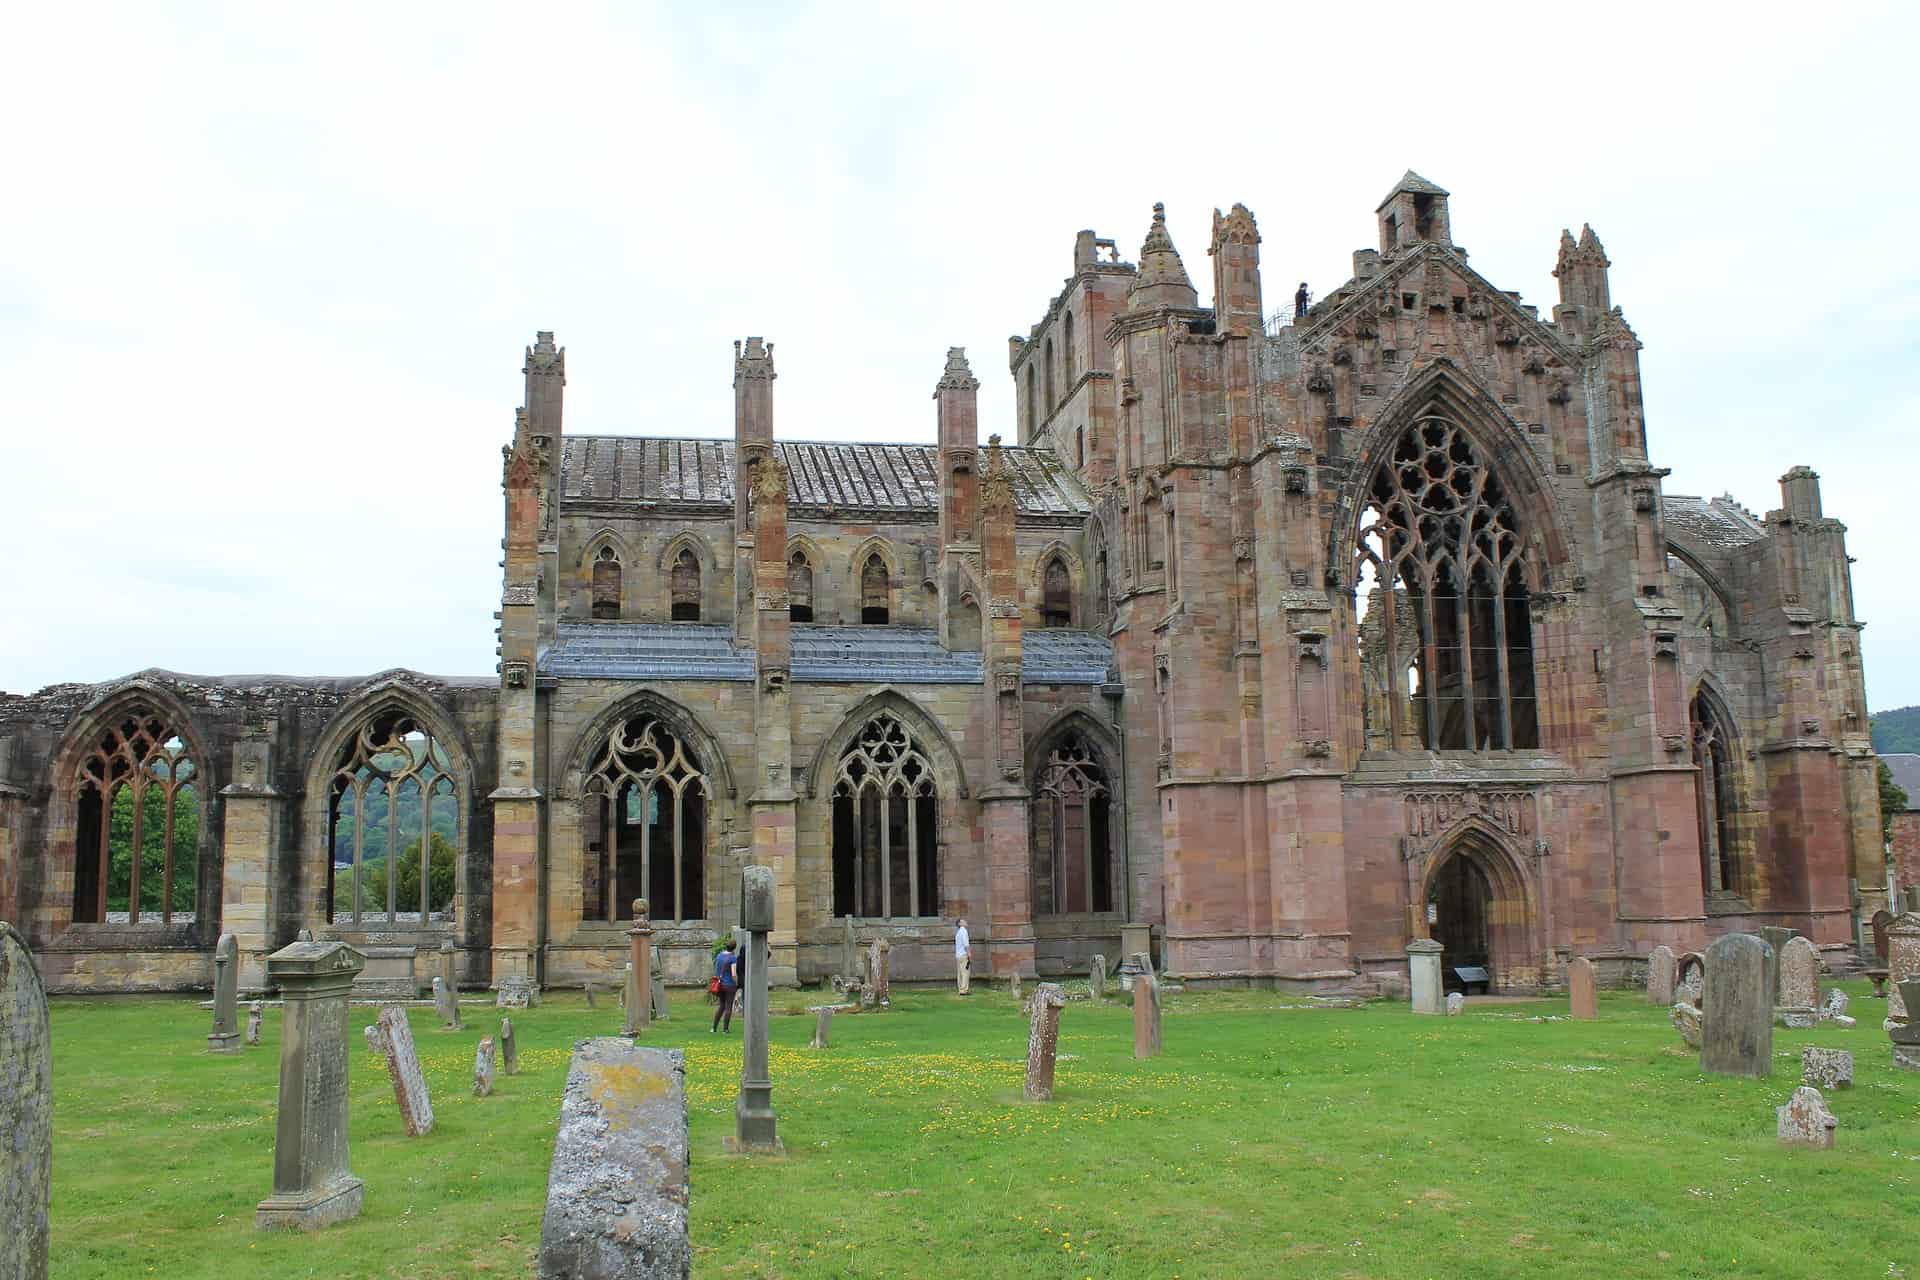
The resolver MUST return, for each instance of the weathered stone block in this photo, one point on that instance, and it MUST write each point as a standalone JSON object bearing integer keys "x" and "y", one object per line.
{"x": 617, "y": 1188}
{"x": 1826, "y": 1068}
{"x": 1805, "y": 1121}
{"x": 26, "y": 1112}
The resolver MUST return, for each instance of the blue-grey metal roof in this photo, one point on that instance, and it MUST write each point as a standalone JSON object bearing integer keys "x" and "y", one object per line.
{"x": 646, "y": 651}
{"x": 1056, "y": 655}
{"x": 890, "y": 655}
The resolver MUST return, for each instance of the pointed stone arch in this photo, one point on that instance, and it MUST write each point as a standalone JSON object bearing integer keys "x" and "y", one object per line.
{"x": 53, "y": 910}
{"x": 1037, "y": 583}
{"x": 710, "y": 591}
{"x": 945, "y": 757}
{"x": 1511, "y": 919}
{"x": 1076, "y": 817}
{"x": 1683, "y": 548}
{"x": 684, "y": 723}
{"x": 801, "y": 545}
{"x": 870, "y": 547}
{"x": 388, "y": 694}
{"x": 1722, "y": 792}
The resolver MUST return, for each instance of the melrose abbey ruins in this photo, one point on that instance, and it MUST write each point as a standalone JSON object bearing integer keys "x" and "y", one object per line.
{"x": 1271, "y": 646}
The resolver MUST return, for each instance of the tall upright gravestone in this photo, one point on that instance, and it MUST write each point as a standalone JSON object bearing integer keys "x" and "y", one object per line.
{"x": 755, "y": 1128}
{"x": 639, "y": 971}
{"x": 391, "y": 1036}
{"x": 1662, "y": 973}
{"x": 26, "y": 1112}
{"x": 312, "y": 1184}
{"x": 1423, "y": 970}
{"x": 225, "y": 1036}
{"x": 1043, "y": 1038}
{"x": 1583, "y": 1001}
{"x": 1146, "y": 1016}
{"x": 1736, "y": 1034}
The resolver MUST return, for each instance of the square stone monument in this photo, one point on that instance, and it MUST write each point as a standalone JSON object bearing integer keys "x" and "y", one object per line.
{"x": 1423, "y": 968}
{"x": 1737, "y": 1007}
{"x": 312, "y": 1185}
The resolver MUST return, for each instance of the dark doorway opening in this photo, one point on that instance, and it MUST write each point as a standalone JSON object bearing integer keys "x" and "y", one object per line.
{"x": 1459, "y": 902}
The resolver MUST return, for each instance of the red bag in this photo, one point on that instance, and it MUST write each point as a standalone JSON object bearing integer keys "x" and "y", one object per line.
{"x": 713, "y": 986}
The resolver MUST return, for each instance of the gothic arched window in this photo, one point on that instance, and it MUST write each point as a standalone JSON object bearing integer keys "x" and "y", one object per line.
{"x": 799, "y": 588}
{"x": 606, "y": 584}
{"x": 392, "y": 796}
{"x": 1056, "y": 604}
{"x": 1072, "y": 833}
{"x": 886, "y": 810}
{"x": 1033, "y": 403}
{"x": 1447, "y": 639}
{"x": 1066, "y": 347}
{"x": 1714, "y": 798}
{"x": 644, "y": 822}
{"x": 137, "y": 840}
{"x": 876, "y": 597}
{"x": 684, "y": 584}
{"x": 1051, "y": 394}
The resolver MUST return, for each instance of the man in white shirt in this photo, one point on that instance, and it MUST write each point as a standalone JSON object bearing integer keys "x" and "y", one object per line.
{"x": 962, "y": 954}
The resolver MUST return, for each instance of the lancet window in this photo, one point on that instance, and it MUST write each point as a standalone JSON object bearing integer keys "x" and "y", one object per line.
{"x": 886, "y": 809}
{"x": 137, "y": 842}
{"x": 1056, "y": 601}
{"x": 876, "y": 596}
{"x": 684, "y": 585}
{"x": 645, "y": 823}
{"x": 1446, "y": 634}
{"x": 606, "y": 584}
{"x": 1072, "y": 832}
{"x": 393, "y": 800}
{"x": 799, "y": 588}
{"x": 1714, "y": 798}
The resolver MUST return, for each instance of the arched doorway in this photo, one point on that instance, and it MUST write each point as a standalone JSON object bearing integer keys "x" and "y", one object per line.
{"x": 1479, "y": 910}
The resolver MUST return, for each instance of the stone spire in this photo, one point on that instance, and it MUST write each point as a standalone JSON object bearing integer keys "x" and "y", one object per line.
{"x": 1162, "y": 279}
{"x": 1582, "y": 273}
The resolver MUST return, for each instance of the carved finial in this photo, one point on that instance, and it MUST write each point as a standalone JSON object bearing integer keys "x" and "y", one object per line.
{"x": 544, "y": 357}
{"x": 769, "y": 479}
{"x": 639, "y": 909}
{"x": 1162, "y": 279}
{"x": 1234, "y": 228}
{"x": 755, "y": 361}
{"x": 958, "y": 375}
{"x": 996, "y": 481}
{"x": 1590, "y": 247}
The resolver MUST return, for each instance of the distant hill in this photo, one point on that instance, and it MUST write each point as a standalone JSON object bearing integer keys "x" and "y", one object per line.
{"x": 1897, "y": 730}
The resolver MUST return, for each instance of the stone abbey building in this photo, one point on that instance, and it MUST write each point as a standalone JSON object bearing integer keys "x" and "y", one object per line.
{"x": 1276, "y": 641}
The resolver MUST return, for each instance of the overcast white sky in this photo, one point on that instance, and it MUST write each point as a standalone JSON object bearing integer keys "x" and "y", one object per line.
{"x": 266, "y": 272}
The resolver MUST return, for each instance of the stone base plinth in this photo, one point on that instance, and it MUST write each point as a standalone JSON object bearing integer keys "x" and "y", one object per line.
{"x": 311, "y": 1210}
{"x": 228, "y": 1042}
{"x": 735, "y": 1147}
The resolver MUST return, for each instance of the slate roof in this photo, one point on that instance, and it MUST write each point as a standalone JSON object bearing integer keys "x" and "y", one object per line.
{"x": 1718, "y": 522}
{"x": 1905, "y": 768}
{"x": 822, "y": 654}
{"x": 1411, "y": 181}
{"x": 675, "y": 472}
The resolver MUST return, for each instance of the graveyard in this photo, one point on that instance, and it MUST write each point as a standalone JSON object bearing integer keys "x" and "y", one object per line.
{"x": 1311, "y": 1139}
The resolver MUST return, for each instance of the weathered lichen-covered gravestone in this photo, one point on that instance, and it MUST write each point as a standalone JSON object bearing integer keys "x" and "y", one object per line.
{"x": 1881, "y": 919}
{"x": 1146, "y": 1016}
{"x": 312, "y": 1183}
{"x": 880, "y": 971}
{"x": 1799, "y": 966}
{"x": 447, "y": 959}
{"x": 1805, "y": 1120}
{"x": 256, "y": 1014}
{"x": 1097, "y": 978}
{"x": 1423, "y": 970}
{"x": 1686, "y": 1020}
{"x": 1583, "y": 1001}
{"x": 391, "y": 1037}
{"x": 1456, "y": 1004}
{"x": 755, "y": 1127}
{"x": 822, "y": 1026}
{"x": 1692, "y": 982}
{"x": 446, "y": 1004}
{"x": 1737, "y": 1012}
{"x": 1903, "y": 961}
{"x": 1775, "y": 936}
{"x": 509, "y": 1050}
{"x": 1834, "y": 1008}
{"x": 1661, "y": 974}
{"x": 26, "y": 1112}
{"x": 617, "y": 1189}
{"x": 1043, "y": 1039}
{"x": 225, "y": 1036}
{"x": 1905, "y": 1033}
{"x": 1826, "y": 1068}
{"x": 483, "y": 1068}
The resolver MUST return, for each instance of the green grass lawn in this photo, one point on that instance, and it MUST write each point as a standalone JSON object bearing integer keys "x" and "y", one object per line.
{"x": 1266, "y": 1140}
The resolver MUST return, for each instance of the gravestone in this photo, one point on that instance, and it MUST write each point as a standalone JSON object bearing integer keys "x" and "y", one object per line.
{"x": 1423, "y": 972}
{"x": 1799, "y": 978}
{"x": 1881, "y": 919}
{"x": 1013, "y": 986}
{"x": 1043, "y": 1039}
{"x": 755, "y": 1127}
{"x": 657, "y": 988}
{"x": 1661, "y": 975}
{"x": 483, "y": 1068}
{"x": 1686, "y": 1020}
{"x": 447, "y": 958}
{"x": 590, "y": 991}
{"x": 1583, "y": 1002}
{"x": 617, "y": 1189}
{"x": 391, "y": 1037}
{"x": 26, "y": 1112}
{"x": 882, "y": 975}
{"x": 1737, "y": 1017}
{"x": 1835, "y": 1007}
{"x": 256, "y": 1013}
{"x": 312, "y": 1183}
{"x": 1146, "y": 1016}
{"x": 1903, "y": 961}
{"x": 1456, "y": 1003}
{"x": 225, "y": 1036}
{"x": 822, "y": 1026}
{"x": 1097, "y": 978}
{"x": 1905, "y": 1034}
{"x": 1805, "y": 1120}
{"x": 446, "y": 1004}
{"x": 509, "y": 1048}
{"x": 1775, "y": 936}
{"x": 639, "y": 971}
{"x": 1692, "y": 983}
{"x": 1826, "y": 1068}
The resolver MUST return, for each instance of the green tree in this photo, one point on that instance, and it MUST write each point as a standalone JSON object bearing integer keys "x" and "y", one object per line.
{"x": 373, "y": 880}
{"x": 1893, "y": 799}
{"x": 153, "y": 849}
